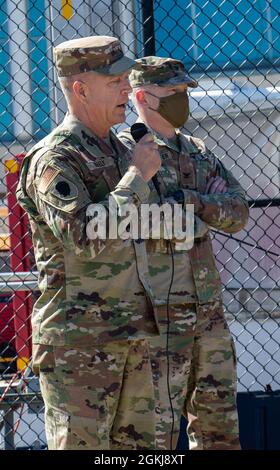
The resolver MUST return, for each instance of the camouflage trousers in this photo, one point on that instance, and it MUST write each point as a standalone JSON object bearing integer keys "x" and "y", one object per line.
{"x": 200, "y": 378}
{"x": 97, "y": 398}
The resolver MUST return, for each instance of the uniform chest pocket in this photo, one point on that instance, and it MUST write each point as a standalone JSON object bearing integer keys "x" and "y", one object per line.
{"x": 168, "y": 179}
{"x": 202, "y": 174}
{"x": 102, "y": 180}
{"x": 187, "y": 172}
{"x": 111, "y": 176}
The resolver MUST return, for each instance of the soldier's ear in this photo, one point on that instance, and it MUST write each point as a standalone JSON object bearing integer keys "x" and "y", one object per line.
{"x": 140, "y": 96}
{"x": 79, "y": 90}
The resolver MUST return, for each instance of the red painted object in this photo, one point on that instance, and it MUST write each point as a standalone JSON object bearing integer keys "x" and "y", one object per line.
{"x": 8, "y": 353}
{"x": 21, "y": 245}
{"x": 7, "y": 329}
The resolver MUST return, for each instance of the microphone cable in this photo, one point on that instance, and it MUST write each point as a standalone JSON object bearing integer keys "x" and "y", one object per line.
{"x": 138, "y": 130}
{"x": 167, "y": 352}
{"x": 167, "y": 343}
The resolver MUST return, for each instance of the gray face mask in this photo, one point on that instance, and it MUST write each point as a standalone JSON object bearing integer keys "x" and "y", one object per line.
{"x": 174, "y": 109}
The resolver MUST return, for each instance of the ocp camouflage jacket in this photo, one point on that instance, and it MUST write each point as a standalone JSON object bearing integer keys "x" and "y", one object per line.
{"x": 92, "y": 291}
{"x": 196, "y": 278}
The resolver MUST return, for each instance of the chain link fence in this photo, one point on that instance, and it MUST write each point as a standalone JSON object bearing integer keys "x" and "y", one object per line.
{"x": 232, "y": 48}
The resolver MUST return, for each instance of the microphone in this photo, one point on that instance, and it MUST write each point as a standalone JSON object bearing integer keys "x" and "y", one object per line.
{"x": 138, "y": 130}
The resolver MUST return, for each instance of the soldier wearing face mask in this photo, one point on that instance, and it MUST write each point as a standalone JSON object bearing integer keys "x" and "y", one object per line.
{"x": 174, "y": 108}
{"x": 197, "y": 377}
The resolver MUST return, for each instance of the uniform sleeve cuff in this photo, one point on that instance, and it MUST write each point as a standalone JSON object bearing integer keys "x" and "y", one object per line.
{"x": 136, "y": 184}
{"x": 192, "y": 197}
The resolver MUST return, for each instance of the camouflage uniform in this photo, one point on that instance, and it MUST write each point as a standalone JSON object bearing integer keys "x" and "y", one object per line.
{"x": 96, "y": 307}
{"x": 201, "y": 364}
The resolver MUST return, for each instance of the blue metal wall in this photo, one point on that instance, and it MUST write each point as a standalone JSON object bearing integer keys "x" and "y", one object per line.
{"x": 225, "y": 35}
{"x": 6, "y": 116}
{"x": 38, "y": 67}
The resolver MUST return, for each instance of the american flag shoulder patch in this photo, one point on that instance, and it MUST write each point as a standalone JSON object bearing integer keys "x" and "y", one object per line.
{"x": 49, "y": 174}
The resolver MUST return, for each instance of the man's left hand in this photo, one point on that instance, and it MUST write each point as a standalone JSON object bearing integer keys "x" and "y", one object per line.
{"x": 216, "y": 185}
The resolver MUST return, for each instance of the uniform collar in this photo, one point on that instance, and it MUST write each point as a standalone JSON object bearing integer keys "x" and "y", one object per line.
{"x": 185, "y": 143}
{"x": 187, "y": 146}
{"x": 71, "y": 124}
{"x": 165, "y": 142}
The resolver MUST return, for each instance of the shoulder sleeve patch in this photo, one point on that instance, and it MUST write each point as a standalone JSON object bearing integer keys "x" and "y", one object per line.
{"x": 49, "y": 174}
{"x": 64, "y": 189}
{"x": 62, "y": 192}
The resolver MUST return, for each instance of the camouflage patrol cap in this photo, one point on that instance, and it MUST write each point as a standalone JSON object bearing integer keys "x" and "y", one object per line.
{"x": 160, "y": 71}
{"x": 102, "y": 54}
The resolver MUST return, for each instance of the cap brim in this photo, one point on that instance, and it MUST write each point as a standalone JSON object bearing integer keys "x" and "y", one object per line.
{"x": 120, "y": 66}
{"x": 182, "y": 80}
